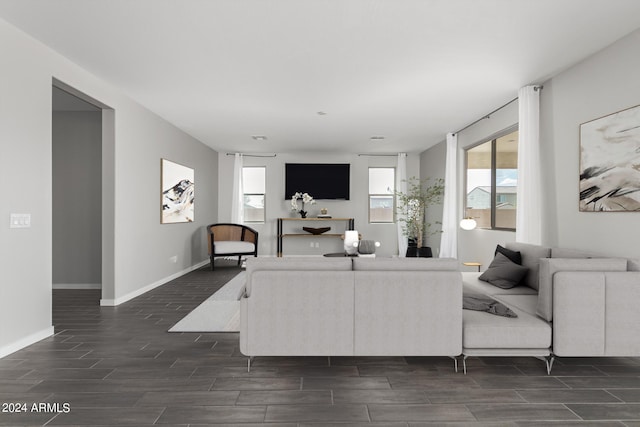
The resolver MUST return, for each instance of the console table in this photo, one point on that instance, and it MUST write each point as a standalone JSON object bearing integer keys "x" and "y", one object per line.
{"x": 281, "y": 234}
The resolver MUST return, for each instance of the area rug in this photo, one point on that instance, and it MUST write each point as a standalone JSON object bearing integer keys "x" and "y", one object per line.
{"x": 218, "y": 313}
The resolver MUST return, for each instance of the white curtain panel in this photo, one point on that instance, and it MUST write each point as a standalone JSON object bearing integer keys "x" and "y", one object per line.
{"x": 401, "y": 186}
{"x": 449, "y": 237}
{"x": 529, "y": 207}
{"x": 237, "y": 202}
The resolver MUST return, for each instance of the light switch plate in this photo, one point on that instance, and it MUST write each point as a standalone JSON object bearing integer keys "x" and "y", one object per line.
{"x": 20, "y": 221}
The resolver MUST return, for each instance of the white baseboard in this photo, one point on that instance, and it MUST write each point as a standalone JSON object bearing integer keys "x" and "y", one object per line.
{"x": 138, "y": 292}
{"x": 77, "y": 286}
{"x": 26, "y": 341}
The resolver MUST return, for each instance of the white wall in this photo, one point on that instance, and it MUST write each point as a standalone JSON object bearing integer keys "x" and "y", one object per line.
{"x": 77, "y": 205}
{"x": 141, "y": 247}
{"x": 602, "y": 84}
{"x": 276, "y": 205}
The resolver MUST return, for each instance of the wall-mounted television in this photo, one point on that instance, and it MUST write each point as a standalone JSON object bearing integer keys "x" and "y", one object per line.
{"x": 320, "y": 180}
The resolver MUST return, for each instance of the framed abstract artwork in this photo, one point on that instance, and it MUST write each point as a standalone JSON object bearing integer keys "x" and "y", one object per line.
{"x": 177, "y": 193}
{"x": 610, "y": 163}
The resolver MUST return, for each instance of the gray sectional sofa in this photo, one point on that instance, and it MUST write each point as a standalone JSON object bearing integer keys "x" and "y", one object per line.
{"x": 569, "y": 303}
{"x": 303, "y": 306}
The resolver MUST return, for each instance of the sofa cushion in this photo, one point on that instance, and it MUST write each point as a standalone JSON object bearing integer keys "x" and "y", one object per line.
{"x": 405, "y": 264}
{"x": 526, "y": 303}
{"x": 550, "y": 266}
{"x": 295, "y": 264}
{"x": 233, "y": 247}
{"x": 486, "y": 331}
{"x": 531, "y": 255}
{"x": 472, "y": 284}
{"x": 514, "y": 256}
{"x": 571, "y": 253}
{"x": 503, "y": 273}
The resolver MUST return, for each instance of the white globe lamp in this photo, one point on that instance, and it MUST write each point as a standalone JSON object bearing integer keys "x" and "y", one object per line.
{"x": 468, "y": 223}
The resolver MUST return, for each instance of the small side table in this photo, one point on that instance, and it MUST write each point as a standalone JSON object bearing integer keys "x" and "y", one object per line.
{"x": 473, "y": 264}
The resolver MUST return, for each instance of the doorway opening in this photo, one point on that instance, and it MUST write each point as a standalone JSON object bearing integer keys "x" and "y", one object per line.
{"x": 82, "y": 130}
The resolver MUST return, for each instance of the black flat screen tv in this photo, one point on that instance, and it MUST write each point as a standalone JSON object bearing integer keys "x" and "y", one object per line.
{"x": 320, "y": 180}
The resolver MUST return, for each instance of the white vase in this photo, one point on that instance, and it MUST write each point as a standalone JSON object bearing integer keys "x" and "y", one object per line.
{"x": 350, "y": 237}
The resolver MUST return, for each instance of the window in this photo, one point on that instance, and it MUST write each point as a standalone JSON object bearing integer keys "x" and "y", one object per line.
{"x": 381, "y": 197}
{"x": 253, "y": 184}
{"x": 492, "y": 179}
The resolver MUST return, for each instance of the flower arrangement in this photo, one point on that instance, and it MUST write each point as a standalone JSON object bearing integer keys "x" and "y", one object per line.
{"x": 306, "y": 198}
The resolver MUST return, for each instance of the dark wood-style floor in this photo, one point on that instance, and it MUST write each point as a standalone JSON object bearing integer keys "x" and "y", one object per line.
{"x": 119, "y": 366}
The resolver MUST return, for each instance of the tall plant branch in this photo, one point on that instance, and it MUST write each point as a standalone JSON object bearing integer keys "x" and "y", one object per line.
{"x": 413, "y": 204}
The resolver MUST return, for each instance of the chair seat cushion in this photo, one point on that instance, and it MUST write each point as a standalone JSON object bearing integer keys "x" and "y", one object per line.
{"x": 233, "y": 247}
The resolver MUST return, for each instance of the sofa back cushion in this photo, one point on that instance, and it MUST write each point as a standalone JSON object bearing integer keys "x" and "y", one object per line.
{"x": 295, "y": 264}
{"x": 550, "y": 266}
{"x": 572, "y": 253}
{"x": 531, "y": 255}
{"x": 405, "y": 264}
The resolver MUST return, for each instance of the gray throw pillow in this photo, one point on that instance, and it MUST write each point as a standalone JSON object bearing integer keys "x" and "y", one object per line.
{"x": 503, "y": 273}
{"x": 514, "y": 256}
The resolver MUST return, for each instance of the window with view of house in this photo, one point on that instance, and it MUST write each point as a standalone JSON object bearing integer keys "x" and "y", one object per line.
{"x": 381, "y": 197}
{"x": 253, "y": 184}
{"x": 492, "y": 179}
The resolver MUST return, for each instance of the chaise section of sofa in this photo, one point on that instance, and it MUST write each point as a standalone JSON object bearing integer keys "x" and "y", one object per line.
{"x": 571, "y": 303}
{"x": 528, "y": 335}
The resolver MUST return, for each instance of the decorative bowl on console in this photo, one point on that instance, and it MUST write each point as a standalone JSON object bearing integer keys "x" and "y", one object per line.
{"x": 314, "y": 230}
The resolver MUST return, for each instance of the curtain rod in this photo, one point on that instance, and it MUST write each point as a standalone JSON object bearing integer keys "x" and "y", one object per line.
{"x": 486, "y": 116}
{"x": 377, "y": 155}
{"x": 254, "y": 155}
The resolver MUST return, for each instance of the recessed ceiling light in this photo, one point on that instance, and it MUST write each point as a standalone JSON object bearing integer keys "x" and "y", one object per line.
{"x": 377, "y": 138}
{"x": 259, "y": 137}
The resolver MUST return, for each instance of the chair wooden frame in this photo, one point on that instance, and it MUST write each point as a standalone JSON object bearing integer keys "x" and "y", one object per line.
{"x": 228, "y": 232}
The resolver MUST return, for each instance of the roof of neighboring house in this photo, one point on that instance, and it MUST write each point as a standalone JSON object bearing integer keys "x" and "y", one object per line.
{"x": 501, "y": 189}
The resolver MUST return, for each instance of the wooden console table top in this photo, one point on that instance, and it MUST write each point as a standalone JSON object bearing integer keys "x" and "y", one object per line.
{"x": 280, "y": 233}
{"x": 315, "y": 219}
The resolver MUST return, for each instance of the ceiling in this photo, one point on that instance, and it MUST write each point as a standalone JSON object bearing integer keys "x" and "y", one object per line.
{"x": 407, "y": 70}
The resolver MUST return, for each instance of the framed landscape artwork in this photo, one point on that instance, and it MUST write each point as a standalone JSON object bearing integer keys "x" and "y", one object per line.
{"x": 177, "y": 193}
{"x": 610, "y": 163}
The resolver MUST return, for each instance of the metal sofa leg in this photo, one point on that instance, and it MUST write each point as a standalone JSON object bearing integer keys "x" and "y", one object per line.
{"x": 249, "y": 359}
{"x": 548, "y": 361}
{"x": 455, "y": 362}
{"x": 464, "y": 363}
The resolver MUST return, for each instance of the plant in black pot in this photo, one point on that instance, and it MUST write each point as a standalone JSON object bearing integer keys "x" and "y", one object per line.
{"x": 411, "y": 208}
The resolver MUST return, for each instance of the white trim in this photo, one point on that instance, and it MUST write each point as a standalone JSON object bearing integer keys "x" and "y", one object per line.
{"x": 77, "y": 286}
{"x": 138, "y": 292}
{"x": 26, "y": 341}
